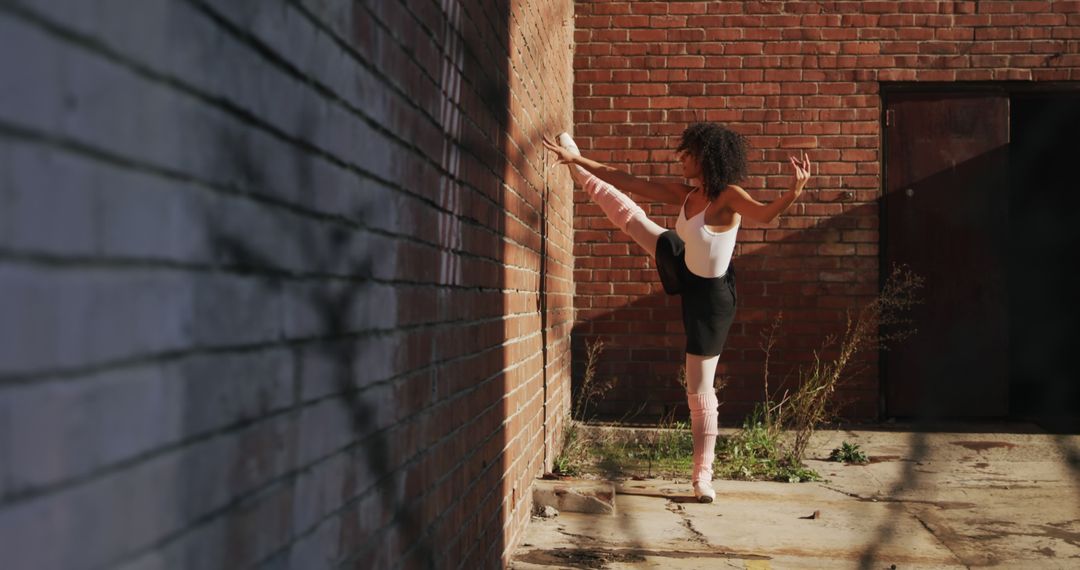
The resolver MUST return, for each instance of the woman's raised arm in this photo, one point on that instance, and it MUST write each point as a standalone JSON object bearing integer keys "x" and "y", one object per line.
{"x": 745, "y": 205}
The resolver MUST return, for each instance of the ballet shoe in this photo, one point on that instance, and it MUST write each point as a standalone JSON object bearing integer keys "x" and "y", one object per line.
{"x": 568, "y": 143}
{"x": 704, "y": 492}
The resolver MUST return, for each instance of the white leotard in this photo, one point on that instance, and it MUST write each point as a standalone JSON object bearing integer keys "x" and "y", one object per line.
{"x": 708, "y": 253}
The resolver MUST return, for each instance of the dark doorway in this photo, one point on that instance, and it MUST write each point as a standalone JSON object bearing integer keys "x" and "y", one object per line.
{"x": 1044, "y": 178}
{"x": 980, "y": 200}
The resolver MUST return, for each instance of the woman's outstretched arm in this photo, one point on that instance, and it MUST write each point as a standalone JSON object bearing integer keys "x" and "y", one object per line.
{"x": 666, "y": 192}
{"x": 745, "y": 205}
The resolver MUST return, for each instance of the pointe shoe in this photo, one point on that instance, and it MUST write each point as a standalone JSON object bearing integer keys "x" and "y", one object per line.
{"x": 568, "y": 143}
{"x": 704, "y": 492}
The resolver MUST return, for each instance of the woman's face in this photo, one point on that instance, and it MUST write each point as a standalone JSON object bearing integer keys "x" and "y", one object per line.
{"x": 690, "y": 166}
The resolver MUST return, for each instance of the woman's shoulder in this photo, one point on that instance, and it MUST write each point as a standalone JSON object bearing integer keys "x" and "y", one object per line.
{"x": 677, "y": 192}
{"x": 723, "y": 201}
{"x": 680, "y": 188}
{"x": 728, "y": 191}
{"x": 722, "y": 194}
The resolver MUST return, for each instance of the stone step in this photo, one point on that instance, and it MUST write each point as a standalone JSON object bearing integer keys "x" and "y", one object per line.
{"x": 579, "y": 496}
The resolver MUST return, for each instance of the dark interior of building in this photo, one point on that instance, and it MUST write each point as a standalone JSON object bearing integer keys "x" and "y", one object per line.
{"x": 1044, "y": 232}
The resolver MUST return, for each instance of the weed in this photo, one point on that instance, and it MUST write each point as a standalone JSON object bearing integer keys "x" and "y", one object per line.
{"x": 575, "y": 451}
{"x": 848, "y": 453}
{"x": 755, "y": 452}
{"x": 591, "y": 389}
{"x": 665, "y": 451}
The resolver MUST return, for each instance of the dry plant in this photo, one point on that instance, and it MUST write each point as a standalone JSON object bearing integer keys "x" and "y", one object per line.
{"x": 576, "y": 443}
{"x": 774, "y": 418}
{"x": 811, "y": 404}
{"x": 591, "y": 388}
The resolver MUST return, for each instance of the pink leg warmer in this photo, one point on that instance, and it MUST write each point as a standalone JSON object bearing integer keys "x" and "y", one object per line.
{"x": 618, "y": 207}
{"x": 703, "y": 425}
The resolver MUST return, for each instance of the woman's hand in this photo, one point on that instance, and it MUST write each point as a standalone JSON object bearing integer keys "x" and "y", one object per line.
{"x": 802, "y": 173}
{"x": 565, "y": 156}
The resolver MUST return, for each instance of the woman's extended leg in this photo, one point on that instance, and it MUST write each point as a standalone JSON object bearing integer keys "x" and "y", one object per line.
{"x": 635, "y": 222}
{"x": 618, "y": 207}
{"x": 701, "y": 397}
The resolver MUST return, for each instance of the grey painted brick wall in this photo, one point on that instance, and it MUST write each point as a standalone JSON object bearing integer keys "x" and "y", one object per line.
{"x": 283, "y": 283}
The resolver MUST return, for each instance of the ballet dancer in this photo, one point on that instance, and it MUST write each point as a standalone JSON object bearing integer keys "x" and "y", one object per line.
{"x": 694, "y": 259}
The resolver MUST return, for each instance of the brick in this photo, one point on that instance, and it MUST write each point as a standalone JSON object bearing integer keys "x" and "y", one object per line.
{"x": 915, "y": 34}
{"x": 861, "y": 48}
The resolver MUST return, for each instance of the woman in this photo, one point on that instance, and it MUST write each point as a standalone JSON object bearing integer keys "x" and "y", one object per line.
{"x": 694, "y": 260}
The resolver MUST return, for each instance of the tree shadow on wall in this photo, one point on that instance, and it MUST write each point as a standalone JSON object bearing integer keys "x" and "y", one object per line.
{"x": 331, "y": 279}
{"x": 323, "y": 277}
{"x": 325, "y": 305}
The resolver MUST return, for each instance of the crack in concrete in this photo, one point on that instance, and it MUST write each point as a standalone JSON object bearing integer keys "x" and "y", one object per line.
{"x": 583, "y": 536}
{"x": 1052, "y": 531}
{"x": 599, "y": 558}
{"x": 939, "y": 539}
{"x": 939, "y": 504}
{"x": 679, "y": 511}
{"x": 843, "y": 492}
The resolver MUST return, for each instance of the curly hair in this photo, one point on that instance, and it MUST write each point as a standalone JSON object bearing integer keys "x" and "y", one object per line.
{"x": 720, "y": 151}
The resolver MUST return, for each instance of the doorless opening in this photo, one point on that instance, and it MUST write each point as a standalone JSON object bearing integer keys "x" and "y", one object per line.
{"x": 980, "y": 199}
{"x": 1044, "y": 206}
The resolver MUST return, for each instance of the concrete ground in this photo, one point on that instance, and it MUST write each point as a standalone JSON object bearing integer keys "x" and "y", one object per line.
{"x": 945, "y": 496}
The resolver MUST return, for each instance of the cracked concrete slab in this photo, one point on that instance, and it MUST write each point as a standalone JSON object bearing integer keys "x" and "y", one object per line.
{"x": 1006, "y": 496}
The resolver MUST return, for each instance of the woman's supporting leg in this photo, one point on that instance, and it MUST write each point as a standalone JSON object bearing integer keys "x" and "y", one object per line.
{"x": 700, "y": 373}
{"x": 701, "y": 398}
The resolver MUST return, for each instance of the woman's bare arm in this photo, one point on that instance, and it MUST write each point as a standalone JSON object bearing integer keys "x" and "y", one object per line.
{"x": 666, "y": 192}
{"x": 745, "y": 205}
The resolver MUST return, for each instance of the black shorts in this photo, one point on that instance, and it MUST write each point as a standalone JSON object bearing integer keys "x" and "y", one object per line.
{"x": 708, "y": 303}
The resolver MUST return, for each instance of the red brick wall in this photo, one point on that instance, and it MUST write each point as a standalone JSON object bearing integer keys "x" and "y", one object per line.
{"x": 792, "y": 76}
{"x": 538, "y": 262}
